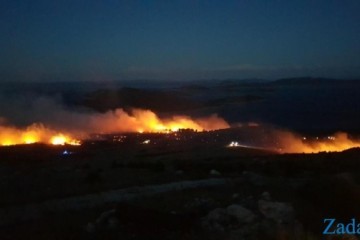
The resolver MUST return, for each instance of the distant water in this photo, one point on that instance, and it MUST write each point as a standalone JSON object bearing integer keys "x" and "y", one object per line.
{"x": 304, "y": 108}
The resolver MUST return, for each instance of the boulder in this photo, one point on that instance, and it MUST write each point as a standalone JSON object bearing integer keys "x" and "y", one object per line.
{"x": 214, "y": 172}
{"x": 179, "y": 172}
{"x": 216, "y": 220}
{"x": 221, "y": 219}
{"x": 278, "y": 211}
{"x": 103, "y": 218}
{"x": 255, "y": 179}
{"x": 113, "y": 223}
{"x": 266, "y": 196}
{"x": 235, "y": 195}
{"x": 241, "y": 214}
{"x": 90, "y": 227}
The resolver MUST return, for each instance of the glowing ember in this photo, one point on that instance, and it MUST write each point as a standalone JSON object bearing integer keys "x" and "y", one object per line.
{"x": 61, "y": 139}
{"x": 58, "y": 140}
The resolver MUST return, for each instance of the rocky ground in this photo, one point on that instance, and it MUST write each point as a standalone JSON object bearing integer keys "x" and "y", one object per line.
{"x": 207, "y": 194}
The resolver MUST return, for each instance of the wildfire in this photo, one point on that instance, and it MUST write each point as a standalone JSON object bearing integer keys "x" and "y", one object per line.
{"x": 139, "y": 120}
{"x": 61, "y": 139}
{"x": 291, "y": 143}
{"x": 146, "y": 121}
{"x": 58, "y": 140}
{"x": 150, "y": 122}
{"x": 284, "y": 141}
{"x": 35, "y": 133}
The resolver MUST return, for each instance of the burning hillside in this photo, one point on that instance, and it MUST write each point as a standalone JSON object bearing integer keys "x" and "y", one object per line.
{"x": 284, "y": 141}
{"x": 35, "y": 133}
{"x": 82, "y": 125}
{"x": 139, "y": 120}
{"x": 292, "y": 143}
{"x": 114, "y": 121}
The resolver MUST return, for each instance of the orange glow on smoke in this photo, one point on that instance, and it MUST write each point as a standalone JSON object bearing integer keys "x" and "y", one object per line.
{"x": 283, "y": 141}
{"x": 139, "y": 120}
{"x": 291, "y": 143}
{"x": 35, "y": 133}
{"x": 150, "y": 122}
{"x": 61, "y": 139}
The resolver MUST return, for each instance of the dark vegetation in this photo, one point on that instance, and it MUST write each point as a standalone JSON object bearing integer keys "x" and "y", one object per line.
{"x": 317, "y": 185}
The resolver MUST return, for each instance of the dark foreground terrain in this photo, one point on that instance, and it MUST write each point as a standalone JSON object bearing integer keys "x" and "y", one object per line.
{"x": 134, "y": 189}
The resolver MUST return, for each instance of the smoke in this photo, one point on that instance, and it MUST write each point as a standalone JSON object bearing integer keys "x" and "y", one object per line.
{"x": 286, "y": 141}
{"x": 272, "y": 138}
{"x": 47, "y": 119}
{"x": 34, "y": 133}
{"x": 292, "y": 143}
{"x": 139, "y": 120}
{"x": 43, "y": 117}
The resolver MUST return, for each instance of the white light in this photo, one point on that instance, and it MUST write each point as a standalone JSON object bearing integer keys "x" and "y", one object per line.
{"x": 234, "y": 144}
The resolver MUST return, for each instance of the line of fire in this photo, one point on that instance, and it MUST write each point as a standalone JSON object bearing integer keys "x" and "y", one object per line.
{"x": 214, "y": 131}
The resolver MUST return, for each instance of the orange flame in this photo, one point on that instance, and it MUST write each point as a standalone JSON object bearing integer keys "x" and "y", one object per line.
{"x": 139, "y": 120}
{"x": 291, "y": 143}
{"x": 114, "y": 121}
{"x": 35, "y": 133}
{"x": 62, "y": 139}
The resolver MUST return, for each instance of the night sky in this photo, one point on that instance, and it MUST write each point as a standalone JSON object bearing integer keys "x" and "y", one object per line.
{"x": 69, "y": 40}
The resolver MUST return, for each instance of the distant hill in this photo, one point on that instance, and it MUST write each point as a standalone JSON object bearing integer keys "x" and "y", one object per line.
{"x": 313, "y": 81}
{"x": 157, "y": 100}
{"x": 234, "y": 100}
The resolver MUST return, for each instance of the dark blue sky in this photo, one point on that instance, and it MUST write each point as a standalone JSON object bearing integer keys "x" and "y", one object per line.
{"x": 112, "y": 39}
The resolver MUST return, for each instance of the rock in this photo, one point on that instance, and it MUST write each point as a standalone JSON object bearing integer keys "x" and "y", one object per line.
{"x": 219, "y": 215}
{"x": 216, "y": 220}
{"x": 105, "y": 216}
{"x": 113, "y": 223}
{"x": 246, "y": 232}
{"x": 235, "y": 195}
{"x": 274, "y": 230}
{"x": 179, "y": 172}
{"x": 278, "y": 211}
{"x": 266, "y": 196}
{"x": 254, "y": 178}
{"x": 200, "y": 203}
{"x": 170, "y": 168}
{"x": 215, "y": 172}
{"x": 221, "y": 219}
{"x": 106, "y": 220}
{"x": 90, "y": 227}
{"x": 241, "y": 214}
